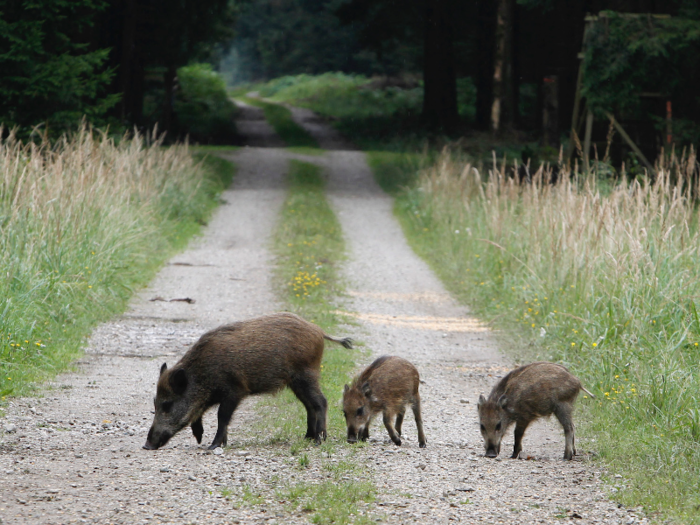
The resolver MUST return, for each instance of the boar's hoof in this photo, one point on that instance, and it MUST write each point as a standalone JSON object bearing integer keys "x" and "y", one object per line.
{"x": 149, "y": 446}
{"x": 397, "y": 442}
{"x": 491, "y": 454}
{"x": 422, "y": 445}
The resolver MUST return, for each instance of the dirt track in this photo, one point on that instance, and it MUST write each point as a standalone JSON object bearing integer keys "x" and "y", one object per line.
{"x": 76, "y": 455}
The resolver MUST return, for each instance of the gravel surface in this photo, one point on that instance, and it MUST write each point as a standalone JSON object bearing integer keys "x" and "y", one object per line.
{"x": 74, "y": 453}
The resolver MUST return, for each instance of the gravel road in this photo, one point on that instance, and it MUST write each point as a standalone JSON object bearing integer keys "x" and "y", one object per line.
{"x": 73, "y": 454}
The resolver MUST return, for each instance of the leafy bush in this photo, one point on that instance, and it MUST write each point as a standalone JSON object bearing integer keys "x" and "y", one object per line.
{"x": 203, "y": 108}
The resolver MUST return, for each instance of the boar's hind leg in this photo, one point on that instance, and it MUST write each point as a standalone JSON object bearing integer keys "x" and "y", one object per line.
{"x": 399, "y": 421}
{"x": 226, "y": 408}
{"x": 198, "y": 429}
{"x": 309, "y": 393}
{"x": 419, "y": 422}
{"x": 563, "y": 413}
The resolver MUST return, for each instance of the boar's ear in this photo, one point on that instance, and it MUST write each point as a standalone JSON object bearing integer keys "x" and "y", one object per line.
{"x": 481, "y": 401}
{"x": 163, "y": 368}
{"x": 503, "y": 401}
{"x": 178, "y": 381}
{"x": 347, "y": 387}
{"x": 366, "y": 390}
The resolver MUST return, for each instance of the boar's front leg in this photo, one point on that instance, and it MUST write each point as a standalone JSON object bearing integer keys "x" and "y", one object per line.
{"x": 365, "y": 432}
{"x": 390, "y": 428}
{"x": 198, "y": 429}
{"x": 226, "y": 408}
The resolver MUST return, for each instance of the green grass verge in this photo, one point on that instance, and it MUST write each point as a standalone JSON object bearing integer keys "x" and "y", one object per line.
{"x": 74, "y": 249}
{"x": 309, "y": 246}
{"x": 280, "y": 118}
{"x": 302, "y": 150}
{"x": 606, "y": 284}
{"x": 394, "y": 171}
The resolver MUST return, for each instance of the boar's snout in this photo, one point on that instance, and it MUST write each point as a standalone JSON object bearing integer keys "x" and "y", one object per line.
{"x": 155, "y": 441}
{"x": 353, "y": 435}
{"x": 492, "y": 451}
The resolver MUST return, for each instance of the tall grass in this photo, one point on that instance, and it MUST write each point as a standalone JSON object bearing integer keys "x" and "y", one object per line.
{"x": 82, "y": 223}
{"x": 606, "y": 282}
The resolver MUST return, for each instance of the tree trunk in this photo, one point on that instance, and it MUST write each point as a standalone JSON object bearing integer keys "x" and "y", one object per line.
{"x": 440, "y": 83}
{"x": 503, "y": 106}
{"x": 486, "y": 15}
{"x": 169, "y": 100}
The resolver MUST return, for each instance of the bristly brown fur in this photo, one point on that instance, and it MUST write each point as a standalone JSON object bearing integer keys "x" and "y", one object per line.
{"x": 524, "y": 395}
{"x": 387, "y": 386}
{"x": 229, "y": 363}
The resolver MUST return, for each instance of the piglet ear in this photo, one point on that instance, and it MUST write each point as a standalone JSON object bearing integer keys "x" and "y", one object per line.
{"x": 366, "y": 390}
{"x": 503, "y": 401}
{"x": 163, "y": 368}
{"x": 178, "y": 381}
{"x": 481, "y": 401}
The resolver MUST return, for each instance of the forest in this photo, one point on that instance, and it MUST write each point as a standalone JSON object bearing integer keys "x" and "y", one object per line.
{"x": 549, "y": 71}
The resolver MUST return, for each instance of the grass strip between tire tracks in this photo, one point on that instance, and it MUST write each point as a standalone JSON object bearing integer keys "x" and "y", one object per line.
{"x": 309, "y": 246}
{"x": 280, "y": 118}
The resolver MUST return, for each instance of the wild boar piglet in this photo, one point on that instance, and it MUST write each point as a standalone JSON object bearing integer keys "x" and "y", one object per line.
{"x": 524, "y": 395}
{"x": 257, "y": 356}
{"x": 387, "y": 386}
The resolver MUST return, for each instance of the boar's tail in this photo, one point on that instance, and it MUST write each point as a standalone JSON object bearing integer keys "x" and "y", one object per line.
{"x": 587, "y": 392}
{"x": 345, "y": 341}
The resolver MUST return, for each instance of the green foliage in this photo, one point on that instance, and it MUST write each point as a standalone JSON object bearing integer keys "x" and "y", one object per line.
{"x": 394, "y": 172}
{"x": 282, "y": 37}
{"x": 187, "y": 30}
{"x": 338, "y": 95}
{"x": 47, "y": 72}
{"x": 280, "y": 118}
{"x": 374, "y": 114}
{"x": 204, "y": 110}
{"x": 626, "y": 56}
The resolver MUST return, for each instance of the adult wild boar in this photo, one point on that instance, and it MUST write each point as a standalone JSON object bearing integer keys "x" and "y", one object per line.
{"x": 257, "y": 356}
{"x": 524, "y": 395}
{"x": 387, "y": 386}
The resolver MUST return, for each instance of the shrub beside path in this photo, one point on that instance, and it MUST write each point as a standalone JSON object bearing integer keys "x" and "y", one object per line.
{"x": 74, "y": 453}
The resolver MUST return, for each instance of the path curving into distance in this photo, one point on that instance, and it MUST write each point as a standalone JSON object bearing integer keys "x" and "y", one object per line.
{"x": 76, "y": 457}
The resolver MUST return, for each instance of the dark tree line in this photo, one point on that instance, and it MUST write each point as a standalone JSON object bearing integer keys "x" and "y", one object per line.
{"x": 62, "y": 59}
{"x": 116, "y": 60}
{"x": 522, "y": 55}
